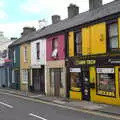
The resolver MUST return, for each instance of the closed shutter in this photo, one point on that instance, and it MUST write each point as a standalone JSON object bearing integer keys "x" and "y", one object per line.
{"x": 86, "y": 41}
{"x": 98, "y": 39}
{"x": 94, "y": 39}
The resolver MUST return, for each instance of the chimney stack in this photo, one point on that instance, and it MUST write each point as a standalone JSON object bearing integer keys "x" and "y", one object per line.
{"x": 93, "y": 4}
{"x": 73, "y": 10}
{"x": 55, "y": 19}
{"x": 27, "y": 30}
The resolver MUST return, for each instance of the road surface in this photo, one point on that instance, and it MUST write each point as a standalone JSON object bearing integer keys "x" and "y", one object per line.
{"x": 21, "y": 108}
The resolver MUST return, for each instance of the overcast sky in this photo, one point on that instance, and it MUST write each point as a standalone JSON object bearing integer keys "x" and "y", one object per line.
{"x": 15, "y": 14}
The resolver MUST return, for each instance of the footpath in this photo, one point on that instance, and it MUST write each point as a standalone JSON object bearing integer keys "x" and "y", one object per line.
{"x": 84, "y": 105}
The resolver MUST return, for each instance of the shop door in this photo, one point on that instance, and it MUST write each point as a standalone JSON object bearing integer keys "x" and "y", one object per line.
{"x": 85, "y": 85}
{"x": 57, "y": 78}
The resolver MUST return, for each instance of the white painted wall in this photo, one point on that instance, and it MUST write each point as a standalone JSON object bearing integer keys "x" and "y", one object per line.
{"x": 42, "y": 60}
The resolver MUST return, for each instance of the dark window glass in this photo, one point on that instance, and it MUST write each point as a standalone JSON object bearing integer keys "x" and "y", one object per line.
{"x": 38, "y": 50}
{"x": 78, "y": 43}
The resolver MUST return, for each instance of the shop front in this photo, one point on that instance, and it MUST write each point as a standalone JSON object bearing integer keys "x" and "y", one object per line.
{"x": 95, "y": 79}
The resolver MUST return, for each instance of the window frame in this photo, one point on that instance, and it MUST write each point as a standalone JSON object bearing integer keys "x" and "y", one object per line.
{"x": 38, "y": 50}
{"x": 14, "y": 56}
{"x": 109, "y": 49}
{"x": 79, "y": 44}
{"x": 25, "y": 54}
{"x": 24, "y": 76}
{"x": 97, "y": 88}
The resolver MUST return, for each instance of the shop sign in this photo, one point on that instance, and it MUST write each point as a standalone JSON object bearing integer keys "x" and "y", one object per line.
{"x": 105, "y": 70}
{"x": 110, "y": 94}
{"x": 86, "y": 62}
{"x": 75, "y": 70}
{"x": 114, "y": 61}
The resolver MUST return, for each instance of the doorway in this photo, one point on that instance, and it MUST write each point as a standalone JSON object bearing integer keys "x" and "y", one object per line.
{"x": 38, "y": 80}
{"x": 56, "y": 80}
{"x": 85, "y": 85}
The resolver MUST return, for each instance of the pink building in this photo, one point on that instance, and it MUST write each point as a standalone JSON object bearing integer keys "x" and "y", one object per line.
{"x": 56, "y": 72}
{"x": 55, "y": 43}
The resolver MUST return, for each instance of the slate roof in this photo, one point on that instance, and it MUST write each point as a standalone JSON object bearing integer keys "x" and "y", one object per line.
{"x": 83, "y": 18}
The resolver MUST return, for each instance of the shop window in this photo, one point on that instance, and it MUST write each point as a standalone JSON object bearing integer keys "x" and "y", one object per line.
{"x": 75, "y": 76}
{"x": 38, "y": 50}
{"x": 55, "y": 47}
{"x": 113, "y": 36}
{"x": 78, "y": 43}
{"x": 106, "y": 82}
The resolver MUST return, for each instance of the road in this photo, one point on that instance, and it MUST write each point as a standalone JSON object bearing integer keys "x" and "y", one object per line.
{"x": 20, "y": 108}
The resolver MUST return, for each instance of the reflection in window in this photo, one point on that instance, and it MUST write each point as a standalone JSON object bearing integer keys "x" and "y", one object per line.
{"x": 75, "y": 80}
{"x": 55, "y": 47}
{"x": 106, "y": 84}
{"x": 78, "y": 43}
{"x": 113, "y": 35}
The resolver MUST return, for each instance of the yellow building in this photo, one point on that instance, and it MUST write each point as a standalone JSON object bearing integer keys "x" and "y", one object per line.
{"x": 25, "y": 61}
{"x": 94, "y": 62}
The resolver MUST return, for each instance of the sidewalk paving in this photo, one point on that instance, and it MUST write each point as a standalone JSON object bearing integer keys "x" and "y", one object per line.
{"x": 109, "y": 109}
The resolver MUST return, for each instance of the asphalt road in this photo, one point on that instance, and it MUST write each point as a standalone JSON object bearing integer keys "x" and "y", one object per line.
{"x": 16, "y": 108}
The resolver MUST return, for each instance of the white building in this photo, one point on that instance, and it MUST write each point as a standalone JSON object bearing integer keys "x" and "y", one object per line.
{"x": 38, "y": 63}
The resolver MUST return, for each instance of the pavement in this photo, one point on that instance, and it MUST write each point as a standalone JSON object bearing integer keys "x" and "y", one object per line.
{"x": 84, "y": 105}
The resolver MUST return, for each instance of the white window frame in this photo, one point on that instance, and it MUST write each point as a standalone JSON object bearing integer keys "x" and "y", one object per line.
{"x": 25, "y": 54}
{"x": 25, "y": 76}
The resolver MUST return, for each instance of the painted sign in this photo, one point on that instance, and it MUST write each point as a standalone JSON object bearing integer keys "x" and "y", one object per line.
{"x": 86, "y": 62}
{"x": 105, "y": 70}
{"x": 75, "y": 70}
{"x": 110, "y": 94}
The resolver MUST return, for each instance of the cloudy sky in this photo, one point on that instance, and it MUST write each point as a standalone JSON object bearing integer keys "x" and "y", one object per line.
{"x": 15, "y": 14}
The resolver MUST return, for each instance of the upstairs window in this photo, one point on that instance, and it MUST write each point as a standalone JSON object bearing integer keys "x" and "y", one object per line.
{"x": 113, "y": 36}
{"x": 38, "y": 50}
{"x": 14, "y": 56}
{"x": 25, "y": 54}
{"x": 78, "y": 43}
{"x": 54, "y": 47}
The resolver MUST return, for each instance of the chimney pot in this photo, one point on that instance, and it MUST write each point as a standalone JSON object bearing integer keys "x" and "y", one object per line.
{"x": 27, "y": 30}
{"x": 55, "y": 19}
{"x": 73, "y": 10}
{"x": 93, "y": 4}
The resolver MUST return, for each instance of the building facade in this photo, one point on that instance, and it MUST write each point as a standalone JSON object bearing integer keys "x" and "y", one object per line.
{"x": 14, "y": 56}
{"x": 38, "y": 64}
{"x": 25, "y": 62}
{"x": 94, "y": 62}
{"x": 55, "y": 68}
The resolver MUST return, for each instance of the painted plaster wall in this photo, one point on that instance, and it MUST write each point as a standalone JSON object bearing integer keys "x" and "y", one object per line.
{"x": 42, "y": 60}
{"x": 24, "y": 65}
{"x": 55, "y": 64}
{"x": 61, "y": 48}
